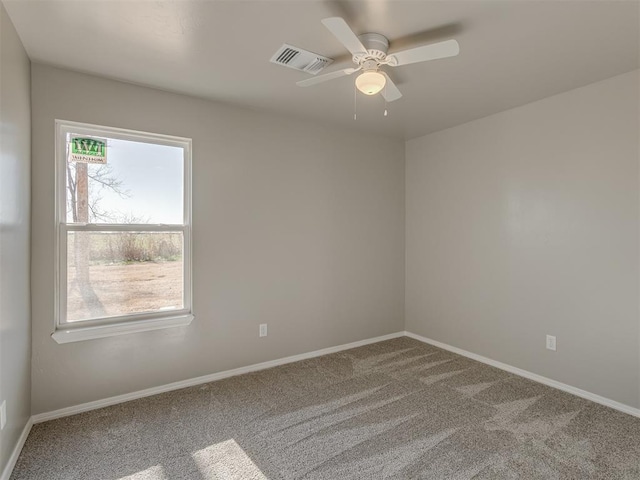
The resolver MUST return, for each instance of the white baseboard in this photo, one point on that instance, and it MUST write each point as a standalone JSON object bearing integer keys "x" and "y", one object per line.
{"x": 8, "y": 469}
{"x": 531, "y": 376}
{"x": 85, "y": 407}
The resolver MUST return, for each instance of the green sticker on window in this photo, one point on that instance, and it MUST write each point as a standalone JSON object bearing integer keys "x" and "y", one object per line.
{"x": 88, "y": 150}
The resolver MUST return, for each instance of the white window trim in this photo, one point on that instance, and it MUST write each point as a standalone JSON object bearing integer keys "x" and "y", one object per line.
{"x": 65, "y": 332}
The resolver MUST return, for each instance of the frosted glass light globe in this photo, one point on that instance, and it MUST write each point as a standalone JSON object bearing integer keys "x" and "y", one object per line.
{"x": 370, "y": 82}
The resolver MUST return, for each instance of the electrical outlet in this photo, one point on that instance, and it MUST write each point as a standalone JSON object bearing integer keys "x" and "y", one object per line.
{"x": 263, "y": 329}
{"x": 551, "y": 342}
{"x": 3, "y": 414}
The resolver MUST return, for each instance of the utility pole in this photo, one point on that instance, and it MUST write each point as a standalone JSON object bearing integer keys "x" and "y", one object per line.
{"x": 81, "y": 241}
{"x": 83, "y": 151}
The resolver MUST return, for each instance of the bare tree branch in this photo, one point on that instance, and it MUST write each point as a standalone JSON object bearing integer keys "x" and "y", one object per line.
{"x": 103, "y": 176}
{"x": 100, "y": 178}
{"x": 96, "y": 214}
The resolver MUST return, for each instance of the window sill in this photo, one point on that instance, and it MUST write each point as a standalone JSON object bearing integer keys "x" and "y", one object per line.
{"x": 78, "y": 334}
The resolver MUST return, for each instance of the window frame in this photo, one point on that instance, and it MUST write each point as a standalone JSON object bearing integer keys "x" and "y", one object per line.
{"x": 64, "y": 331}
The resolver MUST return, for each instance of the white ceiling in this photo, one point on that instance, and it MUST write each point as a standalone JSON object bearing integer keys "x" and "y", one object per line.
{"x": 512, "y": 52}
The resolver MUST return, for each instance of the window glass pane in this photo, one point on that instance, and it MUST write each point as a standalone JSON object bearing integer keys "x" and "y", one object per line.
{"x": 140, "y": 183}
{"x": 120, "y": 273}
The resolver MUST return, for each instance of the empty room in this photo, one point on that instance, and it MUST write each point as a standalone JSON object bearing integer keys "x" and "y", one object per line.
{"x": 319, "y": 239}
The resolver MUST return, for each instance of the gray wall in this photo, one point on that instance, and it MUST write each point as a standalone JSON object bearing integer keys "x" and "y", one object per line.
{"x": 294, "y": 224}
{"x": 518, "y": 225}
{"x": 526, "y": 223}
{"x": 15, "y": 162}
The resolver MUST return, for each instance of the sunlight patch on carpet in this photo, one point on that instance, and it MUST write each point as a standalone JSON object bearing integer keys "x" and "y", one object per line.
{"x": 153, "y": 473}
{"x": 226, "y": 460}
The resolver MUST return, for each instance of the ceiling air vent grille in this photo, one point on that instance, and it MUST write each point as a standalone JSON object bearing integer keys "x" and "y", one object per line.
{"x": 287, "y": 55}
{"x": 299, "y": 59}
{"x": 317, "y": 65}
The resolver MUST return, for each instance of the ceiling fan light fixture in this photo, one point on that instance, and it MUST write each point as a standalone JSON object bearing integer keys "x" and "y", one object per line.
{"x": 370, "y": 82}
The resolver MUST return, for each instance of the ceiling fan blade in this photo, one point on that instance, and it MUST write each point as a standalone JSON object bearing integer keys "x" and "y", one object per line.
{"x": 434, "y": 51}
{"x": 390, "y": 92}
{"x": 343, "y": 32}
{"x": 326, "y": 77}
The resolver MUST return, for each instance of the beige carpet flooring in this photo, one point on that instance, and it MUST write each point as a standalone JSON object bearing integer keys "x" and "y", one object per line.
{"x": 398, "y": 409}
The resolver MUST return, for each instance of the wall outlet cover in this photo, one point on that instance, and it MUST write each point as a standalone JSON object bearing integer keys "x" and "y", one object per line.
{"x": 263, "y": 329}
{"x": 551, "y": 343}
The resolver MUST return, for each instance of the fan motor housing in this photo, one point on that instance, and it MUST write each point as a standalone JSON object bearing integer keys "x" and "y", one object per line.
{"x": 377, "y": 46}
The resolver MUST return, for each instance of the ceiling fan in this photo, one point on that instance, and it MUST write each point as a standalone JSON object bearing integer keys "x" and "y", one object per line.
{"x": 370, "y": 54}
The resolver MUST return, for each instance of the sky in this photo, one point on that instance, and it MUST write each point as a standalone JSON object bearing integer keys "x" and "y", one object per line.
{"x": 152, "y": 176}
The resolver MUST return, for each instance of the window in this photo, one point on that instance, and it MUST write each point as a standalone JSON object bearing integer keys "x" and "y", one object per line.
{"x": 123, "y": 222}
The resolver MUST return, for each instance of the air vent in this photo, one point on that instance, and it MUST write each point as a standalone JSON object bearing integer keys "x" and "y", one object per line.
{"x": 286, "y": 56}
{"x": 317, "y": 65}
{"x": 301, "y": 60}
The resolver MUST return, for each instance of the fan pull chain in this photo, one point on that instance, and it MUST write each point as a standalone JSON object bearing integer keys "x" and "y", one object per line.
{"x": 355, "y": 98}
{"x": 385, "y": 99}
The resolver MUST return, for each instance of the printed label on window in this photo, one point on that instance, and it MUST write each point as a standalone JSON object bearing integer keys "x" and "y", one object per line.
{"x": 87, "y": 150}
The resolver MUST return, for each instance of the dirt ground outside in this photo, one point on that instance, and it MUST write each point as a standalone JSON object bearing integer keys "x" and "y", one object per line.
{"x": 117, "y": 289}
